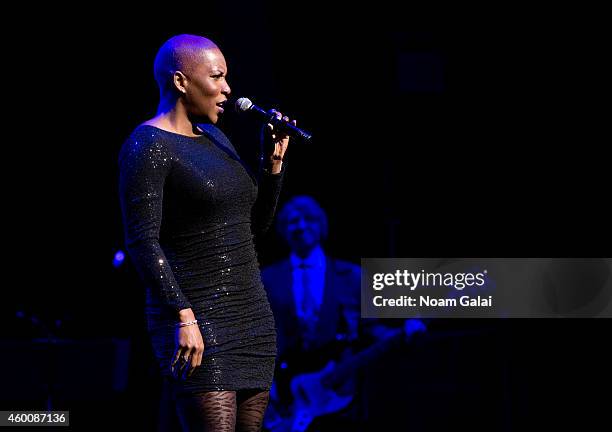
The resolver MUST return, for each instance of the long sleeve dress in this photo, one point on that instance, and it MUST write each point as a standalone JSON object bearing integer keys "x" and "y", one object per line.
{"x": 188, "y": 206}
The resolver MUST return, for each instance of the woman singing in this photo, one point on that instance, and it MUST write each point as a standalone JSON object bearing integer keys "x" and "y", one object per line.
{"x": 190, "y": 210}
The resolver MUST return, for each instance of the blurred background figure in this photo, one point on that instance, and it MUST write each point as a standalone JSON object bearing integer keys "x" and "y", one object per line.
{"x": 323, "y": 343}
{"x": 315, "y": 300}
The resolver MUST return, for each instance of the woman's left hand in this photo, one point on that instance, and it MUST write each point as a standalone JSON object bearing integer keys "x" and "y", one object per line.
{"x": 281, "y": 142}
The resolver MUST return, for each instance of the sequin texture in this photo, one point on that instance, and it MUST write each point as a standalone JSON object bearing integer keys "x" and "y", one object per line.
{"x": 190, "y": 208}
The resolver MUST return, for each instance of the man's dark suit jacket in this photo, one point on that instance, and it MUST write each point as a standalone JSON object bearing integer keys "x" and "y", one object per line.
{"x": 341, "y": 295}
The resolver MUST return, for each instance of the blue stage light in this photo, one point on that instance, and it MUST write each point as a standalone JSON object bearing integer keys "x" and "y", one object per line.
{"x": 119, "y": 257}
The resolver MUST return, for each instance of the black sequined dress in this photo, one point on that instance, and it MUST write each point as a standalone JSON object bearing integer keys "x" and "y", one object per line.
{"x": 188, "y": 205}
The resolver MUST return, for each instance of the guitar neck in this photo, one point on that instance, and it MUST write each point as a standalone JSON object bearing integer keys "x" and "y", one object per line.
{"x": 349, "y": 367}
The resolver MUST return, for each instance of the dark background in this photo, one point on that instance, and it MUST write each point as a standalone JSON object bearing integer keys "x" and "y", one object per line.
{"x": 437, "y": 133}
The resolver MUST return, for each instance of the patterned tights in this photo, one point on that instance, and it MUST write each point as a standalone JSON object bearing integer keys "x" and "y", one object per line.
{"x": 223, "y": 411}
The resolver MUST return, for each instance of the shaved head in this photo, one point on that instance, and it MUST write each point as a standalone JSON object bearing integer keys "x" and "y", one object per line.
{"x": 179, "y": 53}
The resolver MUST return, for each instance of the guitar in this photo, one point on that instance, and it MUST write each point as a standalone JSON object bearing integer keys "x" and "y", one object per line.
{"x": 319, "y": 393}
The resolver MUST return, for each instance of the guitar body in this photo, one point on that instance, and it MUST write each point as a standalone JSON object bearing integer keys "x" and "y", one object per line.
{"x": 314, "y": 394}
{"x": 311, "y": 399}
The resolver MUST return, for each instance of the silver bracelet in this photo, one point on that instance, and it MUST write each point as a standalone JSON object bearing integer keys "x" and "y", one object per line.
{"x": 188, "y": 323}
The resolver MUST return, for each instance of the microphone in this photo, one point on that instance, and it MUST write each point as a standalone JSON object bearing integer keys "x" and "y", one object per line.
{"x": 245, "y": 105}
